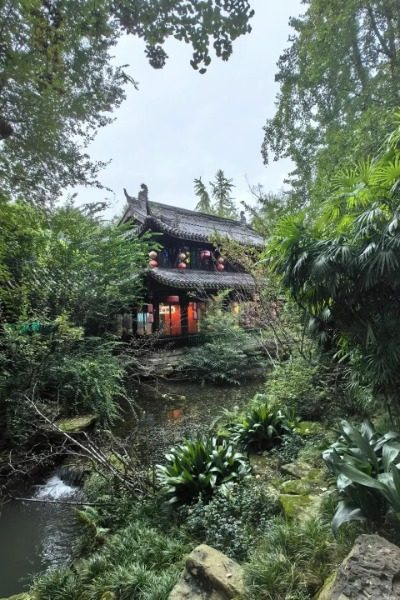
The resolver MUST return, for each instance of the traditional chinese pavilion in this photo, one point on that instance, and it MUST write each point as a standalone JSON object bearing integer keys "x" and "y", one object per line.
{"x": 189, "y": 269}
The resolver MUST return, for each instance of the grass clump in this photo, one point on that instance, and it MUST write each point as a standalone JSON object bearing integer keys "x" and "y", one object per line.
{"x": 293, "y": 560}
{"x": 139, "y": 562}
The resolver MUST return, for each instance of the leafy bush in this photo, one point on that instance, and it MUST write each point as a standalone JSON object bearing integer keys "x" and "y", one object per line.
{"x": 261, "y": 427}
{"x": 197, "y": 467}
{"x": 232, "y": 519}
{"x": 63, "y": 372}
{"x": 222, "y": 357}
{"x": 290, "y": 447}
{"x": 297, "y": 385}
{"x": 368, "y": 478}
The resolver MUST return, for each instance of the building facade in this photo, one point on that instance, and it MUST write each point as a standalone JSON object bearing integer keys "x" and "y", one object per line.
{"x": 186, "y": 268}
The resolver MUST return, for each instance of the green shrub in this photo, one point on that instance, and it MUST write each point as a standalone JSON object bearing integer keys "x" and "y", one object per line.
{"x": 293, "y": 560}
{"x": 297, "y": 385}
{"x": 260, "y": 427}
{"x": 233, "y": 519}
{"x": 368, "y": 478}
{"x": 63, "y": 372}
{"x": 222, "y": 357}
{"x": 197, "y": 467}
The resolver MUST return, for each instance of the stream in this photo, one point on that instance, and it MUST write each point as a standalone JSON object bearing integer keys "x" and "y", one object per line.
{"x": 35, "y": 536}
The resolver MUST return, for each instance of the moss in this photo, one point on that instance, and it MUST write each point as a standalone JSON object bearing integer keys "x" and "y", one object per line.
{"x": 299, "y": 506}
{"x": 325, "y": 593}
{"x": 306, "y": 428}
{"x": 76, "y": 424}
{"x": 24, "y": 596}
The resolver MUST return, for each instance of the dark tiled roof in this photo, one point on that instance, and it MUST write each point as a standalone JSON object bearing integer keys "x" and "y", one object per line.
{"x": 189, "y": 224}
{"x": 204, "y": 280}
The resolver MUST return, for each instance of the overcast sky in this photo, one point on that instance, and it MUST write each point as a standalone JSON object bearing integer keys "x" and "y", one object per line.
{"x": 181, "y": 125}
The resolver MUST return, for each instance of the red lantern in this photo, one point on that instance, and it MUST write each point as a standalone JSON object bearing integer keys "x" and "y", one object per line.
{"x": 220, "y": 260}
{"x": 153, "y": 254}
{"x": 182, "y": 265}
{"x": 172, "y": 299}
{"x": 220, "y": 267}
{"x": 182, "y": 256}
{"x": 153, "y": 264}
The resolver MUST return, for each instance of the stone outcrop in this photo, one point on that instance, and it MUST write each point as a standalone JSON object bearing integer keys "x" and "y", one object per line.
{"x": 209, "y": 575}
{"x": 371, "y": 570}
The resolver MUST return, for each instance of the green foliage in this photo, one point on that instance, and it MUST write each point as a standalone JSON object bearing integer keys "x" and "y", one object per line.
{"x": 59, "y": 84}
{"x": 197, "y": 467}
{"x": 222, "y": 357}
{"x": 260, "y": 427}
{"x": 339, "y": 80}
{"x": 297, "y": 384}
{"x": 219, "y": 201}
{"x": 138, "y": 562}
{"x": 66, "y": 261}
{"x": 293, "y": 560}
{"x": 64, "y": 275}
{"x": 341, "y": 265}
{"x": 233, "y": 519}
{"x": 368, "y": 478}
{"x": 63, "y": 372}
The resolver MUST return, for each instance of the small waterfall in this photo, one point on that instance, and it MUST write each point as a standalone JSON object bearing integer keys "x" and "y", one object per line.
{"x": 55, "y": 489}
{"x": 35, "y": 536}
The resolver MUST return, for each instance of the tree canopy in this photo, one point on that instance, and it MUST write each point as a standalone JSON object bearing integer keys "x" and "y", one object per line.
{"x": 58, "y": 84}
{"x": 341, "y": 264}
{"x": 339, "y": 82}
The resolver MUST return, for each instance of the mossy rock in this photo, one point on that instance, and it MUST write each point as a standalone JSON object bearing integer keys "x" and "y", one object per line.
{"x": 325, "y": 593}
{"x": 297, "y": 486}
{"x": 304, "y": 471}
{"x": 264, "y": 464}
{"x": 23, "y": 596}
{"x": 76, "y": 424}
{"x": 301, "y": 506}
{"x": 307, "y": 428}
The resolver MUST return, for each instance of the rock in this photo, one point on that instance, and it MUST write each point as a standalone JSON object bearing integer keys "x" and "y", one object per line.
{"x": 76, "y": 424}
{"x": 302, "y": 486}
{"x": 209, "y": 575}
{"x": 23, "y": 596}
{"x": 301, "y": 506}
{"x": 371, "y": 570}
{"x": 306, "y": 428}
{"x": 109, "y": 596}
{"x": 302, "y": 470}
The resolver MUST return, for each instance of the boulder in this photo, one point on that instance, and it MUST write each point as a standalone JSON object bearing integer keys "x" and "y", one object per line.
{"x": 371, "y": 570}
{"x": 300, "y": 507}
{"x": 76, "y": 424}
{"x": 209, "y": 575}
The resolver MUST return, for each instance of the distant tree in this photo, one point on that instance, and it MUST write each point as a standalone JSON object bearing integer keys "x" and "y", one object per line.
{"x": 219, "y": 201}
{"x": 58, "y": 85}
{"x": 269, "y": 208}
{"x": 204, "y": 204}
{"x": 221, "y": 190}
{"x": 339, "y": 82}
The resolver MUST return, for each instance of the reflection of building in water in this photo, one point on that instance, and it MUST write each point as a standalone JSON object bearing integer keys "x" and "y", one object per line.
{"x": 175, "y": 415}
{"x": 188, "y": 269}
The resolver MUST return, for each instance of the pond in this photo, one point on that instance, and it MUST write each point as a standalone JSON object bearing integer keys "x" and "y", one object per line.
{"x": 35, "y": 536}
